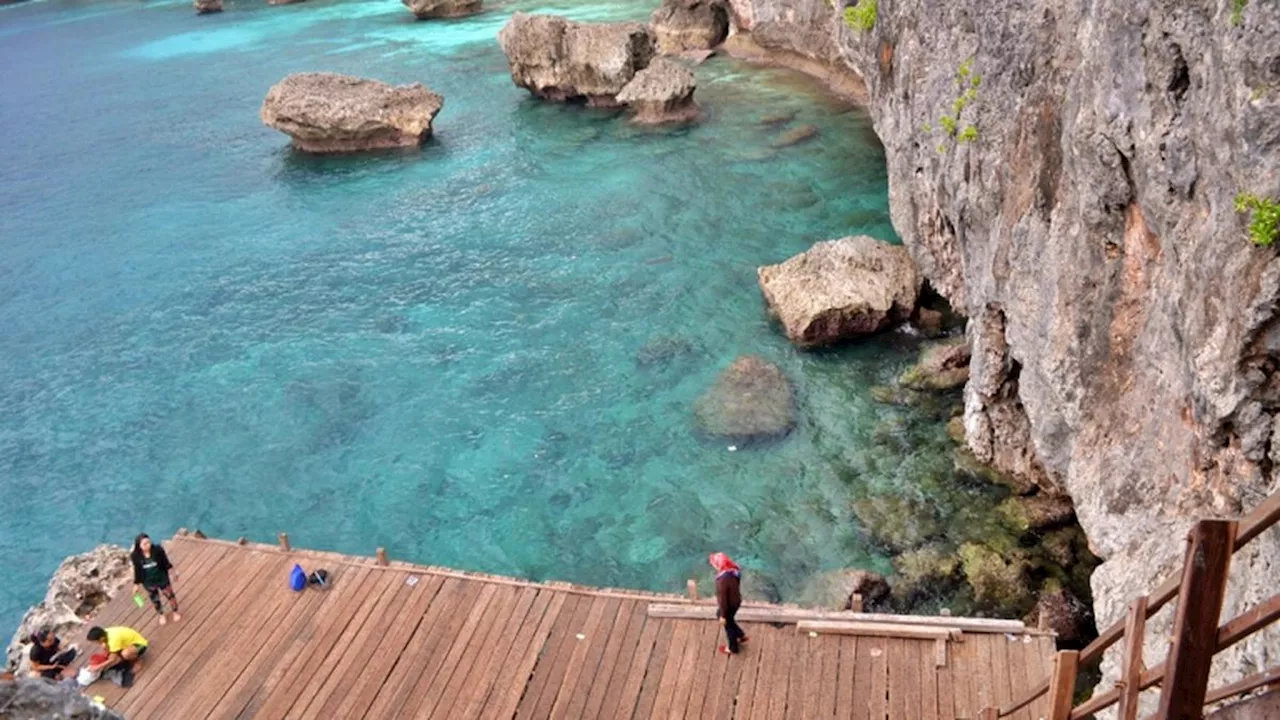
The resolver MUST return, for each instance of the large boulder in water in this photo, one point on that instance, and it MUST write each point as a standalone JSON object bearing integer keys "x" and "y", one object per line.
{"x": 327, "y": 112}
{"x": 685, "y": 25}
{"x": 751, "y": 400}
{"x": 557, "y": 59}
{"x": 205, "y": 7}
{"x": 425, "y": 9}
{"x": 841, "y": 289}
{"x": 661, "y": 93}
{"x": 81, "y": 585}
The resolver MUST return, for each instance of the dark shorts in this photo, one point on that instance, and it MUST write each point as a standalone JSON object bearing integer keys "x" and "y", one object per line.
{"x": 142, "y": 649}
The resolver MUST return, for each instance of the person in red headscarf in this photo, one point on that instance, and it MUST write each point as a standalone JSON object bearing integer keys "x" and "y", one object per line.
{"x": 728, "y": 600}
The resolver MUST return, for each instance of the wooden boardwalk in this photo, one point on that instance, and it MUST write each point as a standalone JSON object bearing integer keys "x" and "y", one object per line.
{"x": 403, "y": 641}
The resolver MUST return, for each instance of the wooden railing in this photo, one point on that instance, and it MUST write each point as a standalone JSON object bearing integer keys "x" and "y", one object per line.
{"x": 1183, "y": 677}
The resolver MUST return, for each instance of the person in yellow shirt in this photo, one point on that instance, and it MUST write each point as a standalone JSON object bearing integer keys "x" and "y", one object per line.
{"x": 125, "y": 648}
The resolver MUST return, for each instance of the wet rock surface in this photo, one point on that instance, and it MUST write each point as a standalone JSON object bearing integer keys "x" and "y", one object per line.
{"x": 751, "y": 400}
{"x": 683, "y": 25}
{"x": 661, "y": 93}
{"x": 566, "y": 61}
{"x": 330, "y": 113}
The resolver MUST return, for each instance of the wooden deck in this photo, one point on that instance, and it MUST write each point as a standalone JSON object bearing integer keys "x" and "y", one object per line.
{"x": 413, "y": 642}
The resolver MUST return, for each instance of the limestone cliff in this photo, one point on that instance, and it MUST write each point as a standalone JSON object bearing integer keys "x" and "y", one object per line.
{"x": 1065, "y": 174}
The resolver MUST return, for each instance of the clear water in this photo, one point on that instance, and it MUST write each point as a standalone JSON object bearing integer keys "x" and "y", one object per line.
{"x": 433, "y": 351}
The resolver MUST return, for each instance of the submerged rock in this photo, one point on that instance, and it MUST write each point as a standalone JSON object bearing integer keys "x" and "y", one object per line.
{"x": 425, "y": 9}
{"x": 796, "y": 135}
{"x": 683, "y": 25}
{"x": 327, "y": 112}
{"x": 751, "y": 400}
{"x": 897, "y": 523}
{"x": 942, "y": 366}
{"x": 835, "y": 590}
{"x": 925, "y": 571}
{"x": 661, "y": 93}
{"x": 206, "y": 7}
{"x": 662, "y": 349}
{"x": 81, "y": 585}
{"x": 558, "y": 59}
{"x": 841, "y": 289}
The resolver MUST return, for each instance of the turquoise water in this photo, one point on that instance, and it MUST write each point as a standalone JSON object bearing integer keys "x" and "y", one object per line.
{"x": 434, "y": 351}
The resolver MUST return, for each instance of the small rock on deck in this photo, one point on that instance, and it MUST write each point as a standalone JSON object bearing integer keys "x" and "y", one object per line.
{"x": 405, "y": 641}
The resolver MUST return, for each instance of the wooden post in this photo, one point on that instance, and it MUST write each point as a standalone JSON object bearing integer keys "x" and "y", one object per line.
{"x": 284, "y": 542}
{"x": 182, "y": 532}
{"x": 692, "y": 587}
{"x": 382, "y": 556}
{"x": 1195, "y": 626}
{"x": 198, "y": 535}
{"x": 1063, "y": 685}
{"x": 242, "y": 540}
{"x": 1131, "y": 667}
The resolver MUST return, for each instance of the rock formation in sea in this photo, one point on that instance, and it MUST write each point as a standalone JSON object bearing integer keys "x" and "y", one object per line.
{"x": 1125, "y": 331}
{"x": 426, "y": 9}
{"x": 40, "y": 698}
{"x": 328, "y": 113}
{"x": 841, "y": 289}
{"x": 558, "y": 59}
{"x": 681, "y": 26}
{"x": 751, "y": 400}
{"x": 661, "y": 93}
{"x": 942, "y": 366}
{"x": 206, "y": 7}
{"x": 81, "y": 585}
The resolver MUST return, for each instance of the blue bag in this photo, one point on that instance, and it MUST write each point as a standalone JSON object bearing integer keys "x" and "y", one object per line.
{"x": 297, "y": 578}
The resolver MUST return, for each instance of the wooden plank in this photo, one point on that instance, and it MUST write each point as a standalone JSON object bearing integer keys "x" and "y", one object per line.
{"x": 480, "y": 643}
{"x": 1195, "y": 625}
{"x": 1247, "y": 623}
{"x": 651, "y": 674}
{"x": 925, "y": 657}
{"x": 488, "y": 604}
{"x": 618, "y": 657}
{"x": 1255, "y": 523}
{"x": 682, "y": 640}
{"x": 751, "y": 676}
{"x": 945, "y": 684}
{"x": 239, "y": 578}
{"x": 341, "y": 598}
{"x": 780, "y": 688}
{"x": 1252, "y": 682}
{"x": 351, "y": 658}
{"x": 702, "y": 672}
{"x": 827, "y": 679}
{"x": 1131, "y": 662}
{"x": 508, "y": 689}
{"x": 405, "y": 615}
{"x": 964, "y": 661}
{"x": 887, "y": 630}
{"x": 625, "y": 686}
{"x": 898, "y": 680}
{"x": 796, "y": 615}
{"x": 716, "y": 670}
{"x": 585, "y": 659}
{"x": 1019, "y": 682}
{"x": 854, "y": 696}
{"x": 1046, "y": 651}
{"x": 227, "y": 657}
{"x": 1001, "y": 683}
{"x": 420, "y": 650}
{"x": 300, "y": 681}
{"x": 440, "y": 646}
{"x": 548, "y": 674}
{"x": 726, "y": 701}
{"x": 525, "y": 613}
{"x": 877, "y": 703}
{"x": 254, "y": 672}
{"x": 1063, "y": 686}
{"x": 984, "y": 673}
{"x": 802, "y": 690}
{"x": 766, "y": 679}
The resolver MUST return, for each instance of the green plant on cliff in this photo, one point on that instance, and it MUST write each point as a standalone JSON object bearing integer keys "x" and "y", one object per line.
{"x": 1264, "y": 226}
{"x": 967, "y": 82}
{"x": 969, "y": 134}
{"x": 861, "y": 16}
{"x": 1237, "y": 11}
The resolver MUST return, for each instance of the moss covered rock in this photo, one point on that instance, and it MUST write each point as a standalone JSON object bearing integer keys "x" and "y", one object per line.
{"x": 1036, "y": 512}
{"x": 897, "y": 523}
{"x": 998, "y": 582}
{"x": 942, "y": 366}
{"x": 925, "y": 571}
{"x": 1058, "y": 610}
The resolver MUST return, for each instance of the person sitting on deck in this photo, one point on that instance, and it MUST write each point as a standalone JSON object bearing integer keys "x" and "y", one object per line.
{"x": 47, "y": 657}
{"x": 728, "y": 600}
{"x": 125, "y": 648}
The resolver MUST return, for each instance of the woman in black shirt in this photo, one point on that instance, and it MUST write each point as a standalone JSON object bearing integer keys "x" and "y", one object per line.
{"x": 151, "y": 570}
{"x": 47, "y": 657}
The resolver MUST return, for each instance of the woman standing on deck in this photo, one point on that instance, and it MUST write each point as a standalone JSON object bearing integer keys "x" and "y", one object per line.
{"x": 151, "y": 570}
{"x": 728, "y": 600}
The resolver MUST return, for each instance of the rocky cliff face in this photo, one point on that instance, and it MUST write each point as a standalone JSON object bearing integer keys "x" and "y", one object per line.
{"x": 1065, "y": 174}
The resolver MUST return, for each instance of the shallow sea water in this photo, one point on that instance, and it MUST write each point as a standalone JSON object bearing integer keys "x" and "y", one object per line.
{"x": 435, "y": 351}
